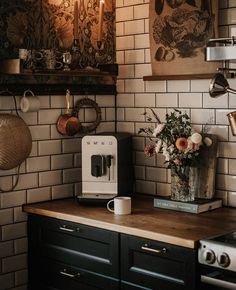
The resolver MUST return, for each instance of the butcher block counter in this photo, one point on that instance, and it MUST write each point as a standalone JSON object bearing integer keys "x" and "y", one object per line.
{"x": 177, "y": 228}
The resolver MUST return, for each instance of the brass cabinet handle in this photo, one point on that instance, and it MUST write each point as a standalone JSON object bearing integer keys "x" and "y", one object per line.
{"x": 145, "y": 247}
{"x": 64, "y": 273}
{"x": 64, "y": 228}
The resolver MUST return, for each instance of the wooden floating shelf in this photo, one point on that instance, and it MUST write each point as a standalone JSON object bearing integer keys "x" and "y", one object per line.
{"x": 82, "y": 81}
{"x": 178, "y": 77}
{"x": 79, "y": 72}
{"x": 57, "y": 89}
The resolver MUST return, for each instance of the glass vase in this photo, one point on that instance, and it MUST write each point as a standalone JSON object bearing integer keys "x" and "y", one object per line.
{"x": 183, "y": 183}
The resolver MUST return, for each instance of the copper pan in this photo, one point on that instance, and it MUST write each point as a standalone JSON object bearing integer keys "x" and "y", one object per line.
{"x": 68, "y": 124}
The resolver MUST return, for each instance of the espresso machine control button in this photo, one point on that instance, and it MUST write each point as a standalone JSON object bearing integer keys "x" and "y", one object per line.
{"x": 209, "y": 256}
{"x": 223, "y": 260}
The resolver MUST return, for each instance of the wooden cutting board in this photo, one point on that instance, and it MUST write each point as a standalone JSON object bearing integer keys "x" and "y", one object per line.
{"x": 205, "y": 173}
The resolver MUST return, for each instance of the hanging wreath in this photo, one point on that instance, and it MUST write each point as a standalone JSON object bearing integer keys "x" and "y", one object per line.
{"x": 88, "y": 102}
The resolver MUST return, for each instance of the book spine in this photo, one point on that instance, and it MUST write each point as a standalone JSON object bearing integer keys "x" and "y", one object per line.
{"x": 176, "y": 206}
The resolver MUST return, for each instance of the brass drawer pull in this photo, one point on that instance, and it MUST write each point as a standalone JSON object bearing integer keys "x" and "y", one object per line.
{"x": 64, "y": 273}
{"x": 145, "y": 247}
{"x": 64, "y": 228}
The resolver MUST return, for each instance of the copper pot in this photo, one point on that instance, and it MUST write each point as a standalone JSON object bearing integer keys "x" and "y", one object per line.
{"x": 68, "y": 124}
{"x": 232, "y": 121}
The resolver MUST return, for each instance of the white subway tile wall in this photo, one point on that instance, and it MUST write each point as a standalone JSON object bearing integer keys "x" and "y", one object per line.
{"x": 53, "y": 169}
{"x": 136, "y": 95}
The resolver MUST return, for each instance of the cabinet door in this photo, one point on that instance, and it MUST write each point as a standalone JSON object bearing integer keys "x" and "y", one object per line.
{"x": 51, "y": 275}
{"x": 74, "y": 244}
{"x": 91, "y": 251}
{"x": 153, "y": 265}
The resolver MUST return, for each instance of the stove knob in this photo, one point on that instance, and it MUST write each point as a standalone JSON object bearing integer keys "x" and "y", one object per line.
{"x": 223, "y": 260}
{"x": 209, "y": 256}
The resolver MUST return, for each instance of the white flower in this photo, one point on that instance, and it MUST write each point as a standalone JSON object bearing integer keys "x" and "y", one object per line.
{"x": 167, "y": 155}
{"x": 164, "y": 146}
{"x": 190, "y": 144}
{"x": 165, "y": 152}
{"x": 171, "y": 148}
{"x": 158, "y": 129}
{"x": 207, "y": 141}
{"x": 158, "y": 146}
{"x": 196, "y": 138}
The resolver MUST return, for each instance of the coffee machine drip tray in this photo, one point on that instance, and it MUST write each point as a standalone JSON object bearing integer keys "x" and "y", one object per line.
{"x": 95, "y": 197}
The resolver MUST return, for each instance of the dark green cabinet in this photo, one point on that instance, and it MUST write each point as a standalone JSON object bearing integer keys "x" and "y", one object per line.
{"x": 69, "y": 256}
{"x": 148, "y": 264}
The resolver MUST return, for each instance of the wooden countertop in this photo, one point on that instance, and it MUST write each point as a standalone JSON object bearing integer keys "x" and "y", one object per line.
{"x": 178, "y": 228}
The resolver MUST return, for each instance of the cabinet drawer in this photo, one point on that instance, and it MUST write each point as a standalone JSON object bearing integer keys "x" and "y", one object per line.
{"x": 155, "y": 265}
{"x": 74, "y": 244}
{"x": 48, "y": 274}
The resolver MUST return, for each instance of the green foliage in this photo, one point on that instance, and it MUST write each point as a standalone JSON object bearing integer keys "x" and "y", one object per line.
{"x": 165, "y": 137}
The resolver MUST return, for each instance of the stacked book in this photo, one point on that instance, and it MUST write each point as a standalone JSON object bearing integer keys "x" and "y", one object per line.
{"x": 196, "y": 206}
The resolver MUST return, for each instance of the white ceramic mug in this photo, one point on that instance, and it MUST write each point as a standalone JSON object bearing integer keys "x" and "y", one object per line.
{"x": 29, "y": 103}
{"x": 122, "y": 205}
{"x": 51, "y": 61}
{"x": 25, "y": 56}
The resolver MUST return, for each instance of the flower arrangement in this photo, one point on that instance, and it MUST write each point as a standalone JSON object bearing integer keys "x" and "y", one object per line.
{"x": 178, "y": 141}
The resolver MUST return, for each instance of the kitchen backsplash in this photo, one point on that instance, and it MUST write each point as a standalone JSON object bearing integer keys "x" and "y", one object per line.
{"x": 53, "y": 169}
{"x": 136, "y": 96}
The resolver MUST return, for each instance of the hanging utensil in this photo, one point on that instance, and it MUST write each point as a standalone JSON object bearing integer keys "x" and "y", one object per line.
{"x": 219, "y": 86}
{"x": 159, "y": 4}
{"x": 68, "y": 124}
{"x": 15, "y": 142}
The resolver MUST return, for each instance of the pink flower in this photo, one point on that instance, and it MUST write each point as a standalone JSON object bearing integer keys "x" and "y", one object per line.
{"x": 190, "y": 144}
{"x": 196, "y": 147}
{"x": 149, "y": 150}
{"x": 181, "y": 143}
{"x": 178, "y": 162}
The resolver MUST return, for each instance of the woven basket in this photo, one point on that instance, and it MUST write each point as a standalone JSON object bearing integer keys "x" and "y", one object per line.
{"x": 15, "y": 141}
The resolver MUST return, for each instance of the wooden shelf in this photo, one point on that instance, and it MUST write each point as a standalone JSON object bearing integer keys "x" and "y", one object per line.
{"x": 83, "y": 81}
{"x": 79, "y": 72}
{"x": 178, "y": 77}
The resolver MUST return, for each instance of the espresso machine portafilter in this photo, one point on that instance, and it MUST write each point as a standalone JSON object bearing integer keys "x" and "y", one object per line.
{"x": 107, "y": 169}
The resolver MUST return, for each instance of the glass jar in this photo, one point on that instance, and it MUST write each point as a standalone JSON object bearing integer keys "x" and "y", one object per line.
{"x": 183, "y": 183}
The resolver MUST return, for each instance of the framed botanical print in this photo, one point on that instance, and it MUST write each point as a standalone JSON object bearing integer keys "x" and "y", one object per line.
{"x": 179, "y": 32}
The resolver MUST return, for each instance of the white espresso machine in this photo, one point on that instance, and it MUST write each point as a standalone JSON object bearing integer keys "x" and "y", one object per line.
{"x": 107, "y": 169}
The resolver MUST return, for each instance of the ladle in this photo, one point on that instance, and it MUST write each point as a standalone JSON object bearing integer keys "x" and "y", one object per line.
{"x": 219, "y": 86}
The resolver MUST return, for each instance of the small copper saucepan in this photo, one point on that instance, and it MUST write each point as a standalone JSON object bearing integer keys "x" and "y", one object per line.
{"x": 68, "y": 124}
{"x": 232, "y": 121}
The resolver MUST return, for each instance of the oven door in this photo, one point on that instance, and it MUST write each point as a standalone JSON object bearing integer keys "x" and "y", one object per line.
{"x": 217, "y": 279}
